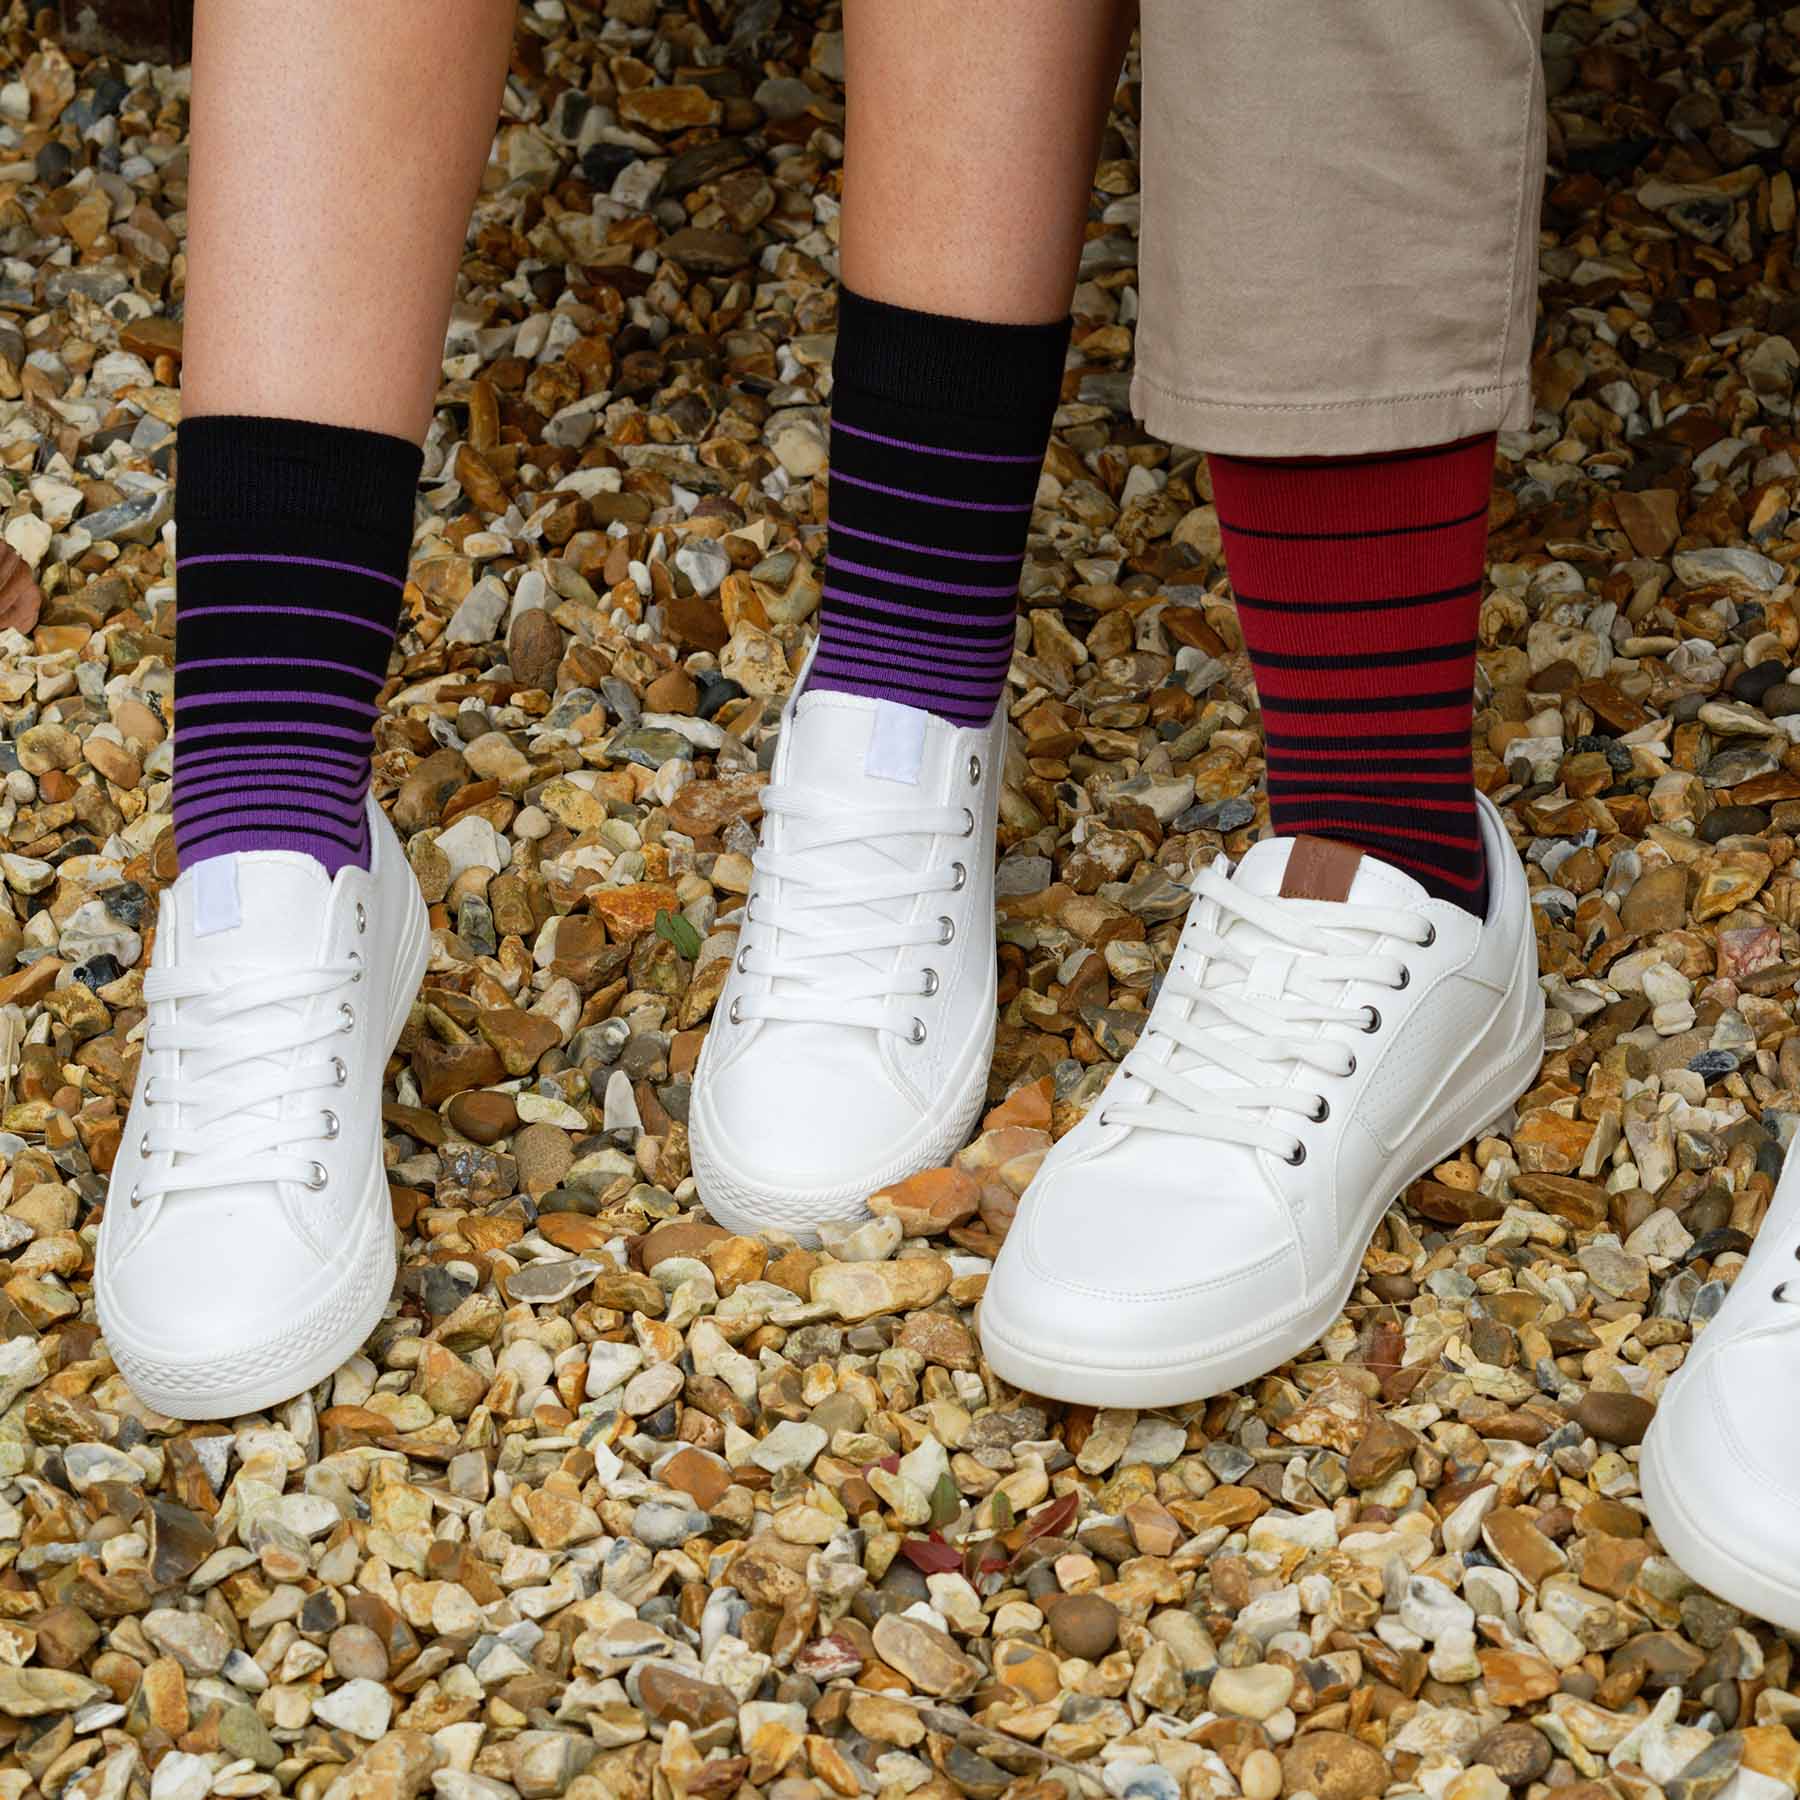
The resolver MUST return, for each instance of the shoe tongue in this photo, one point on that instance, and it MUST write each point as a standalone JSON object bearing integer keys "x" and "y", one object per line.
{"x": 858, "y": 750}
{"x": 835, "y": 744}
{"x": 1297, "y": 868}
{"x": 1315, "y": 868}
{"x": 259, "y": 908}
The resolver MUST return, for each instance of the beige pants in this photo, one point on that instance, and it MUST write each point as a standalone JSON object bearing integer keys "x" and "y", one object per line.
{"x": 1339, "y": 246}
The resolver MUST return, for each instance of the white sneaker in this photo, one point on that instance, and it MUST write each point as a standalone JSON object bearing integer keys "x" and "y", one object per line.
{"x": 248, "y": 1242}
{"x": 1327, "y": 1032}
{"x": 1720, "y": 1466}
{"x": 850, "y": 1046}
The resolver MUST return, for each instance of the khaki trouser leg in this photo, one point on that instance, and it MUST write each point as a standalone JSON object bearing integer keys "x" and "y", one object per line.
{"x": 1339, "y": 249}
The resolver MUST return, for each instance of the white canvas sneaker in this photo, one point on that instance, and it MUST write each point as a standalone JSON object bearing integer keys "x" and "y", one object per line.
{"x": 248, "y": 1243}
{"x": 1326, "y": 1033}
{"x": 850, "y": 1046}
{"x": 1720, "y": 1466}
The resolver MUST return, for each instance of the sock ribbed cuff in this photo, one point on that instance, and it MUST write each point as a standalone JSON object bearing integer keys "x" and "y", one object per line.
{"x": 970, "y": 368}
{"x": 232, "y": 468}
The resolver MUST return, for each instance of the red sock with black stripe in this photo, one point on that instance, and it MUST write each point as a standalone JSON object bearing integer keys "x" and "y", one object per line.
{"x": 1358, "y": 583}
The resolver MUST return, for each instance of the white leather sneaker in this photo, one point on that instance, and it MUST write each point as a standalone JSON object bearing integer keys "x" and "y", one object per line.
{"x": 851, "y": 1043}
{"x": 1720, "y": 1466}
{"x": 248, "y": 1243}
{"x": 1326, "y": 1033}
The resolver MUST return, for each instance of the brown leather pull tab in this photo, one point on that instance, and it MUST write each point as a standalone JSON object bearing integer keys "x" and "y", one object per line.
{"x": 1319, "y": 869}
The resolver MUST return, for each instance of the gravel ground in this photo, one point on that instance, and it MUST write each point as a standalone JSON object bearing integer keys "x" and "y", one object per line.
{"x": 618, "y": 1505}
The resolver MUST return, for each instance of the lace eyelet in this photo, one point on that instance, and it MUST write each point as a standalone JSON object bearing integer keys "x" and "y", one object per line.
{"x": 1405, "y": 978}
{"x": 931, "y": 982}
{"x": 969, "y": 829}
{"x": 738, "y": 960}
{"x": 917, "y": 1034}
{"x": 1779, "y": 1291}
{"x": 1322, "y": 1111}
{"x": 1374, "y": 1023}
{"x": 144, "y": 1145}
{"x": 962, "y": 877}
{"x": 347, "y": 1013}
{"x": 1296, "y": 1156}
{"x": 362, "y": 918}
{"x": 735, "y": 1013}
{"x": 356, "y": 957}
{"x": 1429, "y": 938}
{"x": 317, "y": 1177}
{"x": 974, "y": 770}
{"x": 135, "y": 1198}
{"x": 1351, "y": 1070}
{"x": 331, "y": 1122}
{"x": 340, "y": 1072}
{"x": 946, "y": 928}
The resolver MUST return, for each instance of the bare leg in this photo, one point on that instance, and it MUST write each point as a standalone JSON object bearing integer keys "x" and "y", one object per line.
{"x": 972, "y": 136}
{"x": 337, "y": 147}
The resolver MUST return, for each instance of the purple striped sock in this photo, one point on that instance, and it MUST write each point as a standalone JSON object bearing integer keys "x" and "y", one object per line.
{"x": 293, "y": 540}
{"x": 938, "y": 432}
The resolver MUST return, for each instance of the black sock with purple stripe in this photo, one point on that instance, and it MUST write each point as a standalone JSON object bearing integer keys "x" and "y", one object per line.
{"x": 292, "y": 541}
{"x": 938, "y": 432}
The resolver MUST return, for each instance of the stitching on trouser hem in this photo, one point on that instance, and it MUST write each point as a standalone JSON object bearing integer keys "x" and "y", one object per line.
{"x": 1456, "y": 393}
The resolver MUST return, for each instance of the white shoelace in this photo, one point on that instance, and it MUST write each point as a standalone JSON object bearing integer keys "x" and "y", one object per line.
{"x": 218, "y": 1119}
{"x": 1271, "y": 974}
{"x": 833, "y": 971}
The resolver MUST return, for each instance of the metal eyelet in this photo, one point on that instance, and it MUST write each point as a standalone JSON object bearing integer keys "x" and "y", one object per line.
{"x": 735, "y": 1013}
{"x": 1405, "y": 978}
{"x": 1374, "y": 1023}
{"x": 946, "y": 928}
{"x": 1296, "y": 1156}
{"x": 136, "y": 1198}
{"x": 968, "y": 829}
{"x": 1322, "y": 1111}
{"x": 962, "y": 877}
{"x": 347, "y": 1013}
{"x": 1779, "y": 1291}
{"x": 144, "y": 1145}
{"x": 356, "y": 957}
{"x": 917, "y": 1034}
{"x": 362, "y": 918}
{"x": 318, "y": 1176}
{"x": 1351, "y": 1070}
{"x": 1429, "y": 938}
{"x": 340, "y": 1072}
{"x": 331, "y": 1122}
{"x": 931, "y": 982}
{"x": 974, "y": 770}
{"x": 738, "y": 960}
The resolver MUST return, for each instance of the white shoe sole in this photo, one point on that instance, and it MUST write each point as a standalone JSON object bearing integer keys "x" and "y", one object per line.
{"x": 746, "y": 1208}
{"x": 1700, "y": 1555}
{"x": 307, "y": 1349}
{"x": 1219, "y": 1368}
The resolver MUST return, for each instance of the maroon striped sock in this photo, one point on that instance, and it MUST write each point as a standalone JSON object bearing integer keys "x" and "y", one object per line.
{"x": 938, "y": 432}
{"x": 1358, "y": 585}
{"x": 292, "y": 540}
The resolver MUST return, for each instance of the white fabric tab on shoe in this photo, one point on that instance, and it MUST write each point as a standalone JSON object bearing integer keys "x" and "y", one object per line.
{"x": 1306, "y": 1056}
{"x": 217, "y": 906}
{"x": 896, "y": 743}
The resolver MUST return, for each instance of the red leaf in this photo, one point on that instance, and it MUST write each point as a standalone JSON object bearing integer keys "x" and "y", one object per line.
{"x": 1048, "y": 1521}
{"x": 932, "y": 1555}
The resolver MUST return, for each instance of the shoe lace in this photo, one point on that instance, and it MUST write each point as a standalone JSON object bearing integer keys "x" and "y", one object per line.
{"x": 1242, "y": 1008}
{"x": 826, "y": 944}
{"x": 238, "y": 1040}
